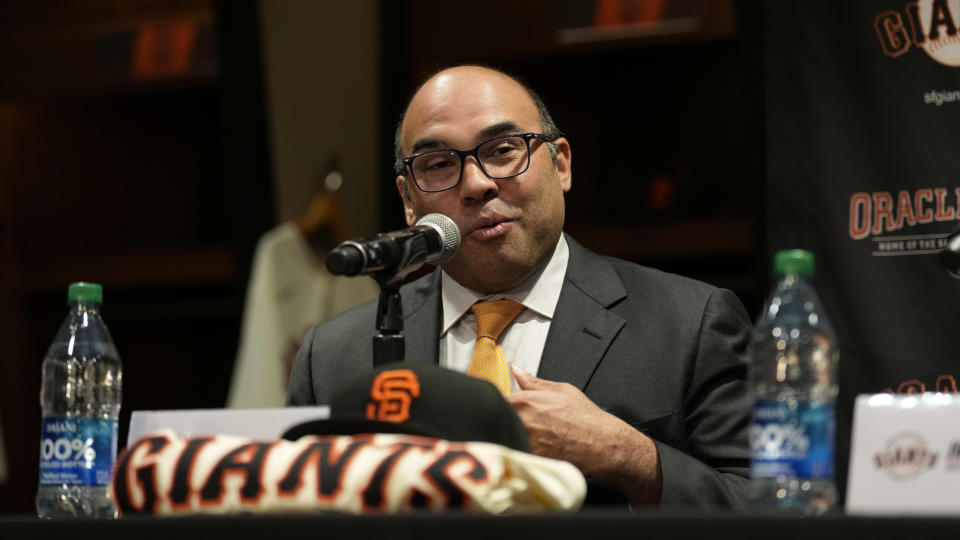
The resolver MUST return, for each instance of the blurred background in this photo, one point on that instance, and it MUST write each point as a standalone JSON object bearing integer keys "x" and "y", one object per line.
{"x": 150, "y": 145}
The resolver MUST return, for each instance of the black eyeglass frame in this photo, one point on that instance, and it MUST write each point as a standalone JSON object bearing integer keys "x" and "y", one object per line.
{"x": 408, "y": 161}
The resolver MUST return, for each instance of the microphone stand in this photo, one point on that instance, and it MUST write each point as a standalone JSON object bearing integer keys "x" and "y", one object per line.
{"x": 388, "y": 342}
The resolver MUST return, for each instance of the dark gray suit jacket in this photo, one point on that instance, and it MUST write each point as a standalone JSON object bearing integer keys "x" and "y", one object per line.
{"x": 665, "y": 353}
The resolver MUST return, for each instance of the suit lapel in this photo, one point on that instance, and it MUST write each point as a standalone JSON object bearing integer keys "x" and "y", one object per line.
{"x": 580, "y": 333}
{"x": 582, "y": 328}
{"x": 421, "y": 321}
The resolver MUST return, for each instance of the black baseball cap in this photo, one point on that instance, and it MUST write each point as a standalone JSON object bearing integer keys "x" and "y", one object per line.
{"x": 419, "y": 399}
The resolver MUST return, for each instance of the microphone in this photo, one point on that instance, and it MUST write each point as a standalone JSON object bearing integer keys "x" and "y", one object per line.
{"x": 434, "y": 239}
{"x": 950, "y": 255}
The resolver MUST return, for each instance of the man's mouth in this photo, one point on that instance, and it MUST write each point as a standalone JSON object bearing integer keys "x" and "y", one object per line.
{"x": 491, "y": 228}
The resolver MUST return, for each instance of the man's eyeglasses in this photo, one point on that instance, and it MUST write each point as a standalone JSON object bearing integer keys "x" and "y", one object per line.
{"x": 499, "y": 158}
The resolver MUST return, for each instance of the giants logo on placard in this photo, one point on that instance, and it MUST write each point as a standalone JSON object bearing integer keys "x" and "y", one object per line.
{"x": 905, "y": 457}
{"x": 945, "y": 383}
{"x": 953, "y": 456}
{"x": 931, "y": 25}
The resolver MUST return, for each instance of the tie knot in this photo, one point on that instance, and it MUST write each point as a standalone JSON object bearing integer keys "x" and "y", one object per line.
{"x": 494, "y": 316}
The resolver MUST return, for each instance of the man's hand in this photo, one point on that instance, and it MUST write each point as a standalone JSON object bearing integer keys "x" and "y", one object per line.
{"x": 564, "y": 424}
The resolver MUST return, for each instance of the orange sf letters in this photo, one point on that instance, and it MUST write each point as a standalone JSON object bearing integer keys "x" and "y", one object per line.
{"x": 392, "y": 394}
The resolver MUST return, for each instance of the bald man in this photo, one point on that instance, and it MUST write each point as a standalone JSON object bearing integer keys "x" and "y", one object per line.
{"x": 639, "y": 375}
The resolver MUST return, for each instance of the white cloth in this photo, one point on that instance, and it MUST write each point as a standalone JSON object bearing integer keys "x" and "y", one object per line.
{"x": 413, "y": 473}
{"x": 523, "y": 341}
{"x": 289, "y": 291}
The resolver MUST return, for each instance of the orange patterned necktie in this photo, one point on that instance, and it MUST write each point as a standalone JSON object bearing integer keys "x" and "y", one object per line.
{"x": 489, "y": 362}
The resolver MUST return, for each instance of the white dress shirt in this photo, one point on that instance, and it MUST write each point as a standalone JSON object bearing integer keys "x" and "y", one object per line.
{"x": 524, "y": 339}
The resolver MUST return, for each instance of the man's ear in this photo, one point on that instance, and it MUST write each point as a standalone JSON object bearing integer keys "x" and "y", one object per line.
{"x": 408, "y": 212}
{"x": 563, "y": 163}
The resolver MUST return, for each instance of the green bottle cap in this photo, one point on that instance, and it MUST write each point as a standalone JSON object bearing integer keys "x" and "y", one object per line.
{"x": 793, "y": 261}
{"x": 85, "y": 292}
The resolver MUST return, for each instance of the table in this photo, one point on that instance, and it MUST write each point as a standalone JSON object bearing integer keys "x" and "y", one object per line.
{"x": 588, "y": 525}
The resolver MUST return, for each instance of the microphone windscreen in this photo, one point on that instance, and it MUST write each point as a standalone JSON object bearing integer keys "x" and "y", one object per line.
{"x": 449, "y": 236}
{"x": 347, "y": 259}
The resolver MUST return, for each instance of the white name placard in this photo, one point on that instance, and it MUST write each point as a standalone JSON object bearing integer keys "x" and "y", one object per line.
{"x": 905, "y": 455}
{"x": 263, "y": 424}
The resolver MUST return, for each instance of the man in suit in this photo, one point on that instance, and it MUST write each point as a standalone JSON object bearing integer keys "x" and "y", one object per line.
{"x": 640, "y": 375}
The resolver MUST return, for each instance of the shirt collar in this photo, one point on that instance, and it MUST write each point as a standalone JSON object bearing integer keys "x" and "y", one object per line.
{"x": 540, "y": 292}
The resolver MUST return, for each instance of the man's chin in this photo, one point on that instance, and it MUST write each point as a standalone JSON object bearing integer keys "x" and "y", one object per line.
{"x": 488, "y": 275}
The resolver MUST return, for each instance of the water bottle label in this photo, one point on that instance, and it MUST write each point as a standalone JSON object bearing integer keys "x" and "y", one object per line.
{"x": 77, "y": 451}
{"x": 792, "y": 441}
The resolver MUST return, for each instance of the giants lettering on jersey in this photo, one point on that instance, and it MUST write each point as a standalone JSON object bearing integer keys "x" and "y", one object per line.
{"x": 321, "y": 467}
{"x": 162, "y": 474}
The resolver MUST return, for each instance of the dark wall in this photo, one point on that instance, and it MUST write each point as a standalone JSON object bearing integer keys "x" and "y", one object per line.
{"x": 155, "y": 185}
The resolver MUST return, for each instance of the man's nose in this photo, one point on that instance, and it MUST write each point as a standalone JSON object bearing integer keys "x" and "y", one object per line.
{"x": 475, "y": 184}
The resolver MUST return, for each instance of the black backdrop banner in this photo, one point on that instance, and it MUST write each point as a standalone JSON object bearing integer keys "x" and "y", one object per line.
{"x": 863, "y": 168}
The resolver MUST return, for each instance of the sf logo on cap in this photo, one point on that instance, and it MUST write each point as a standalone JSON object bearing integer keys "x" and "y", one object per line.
{"x": 392, "y": 394}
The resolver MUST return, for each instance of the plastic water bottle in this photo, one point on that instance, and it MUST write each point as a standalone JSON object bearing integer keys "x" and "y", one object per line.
{"x": 794, "y": 379}
{"x": 80, "y": 398}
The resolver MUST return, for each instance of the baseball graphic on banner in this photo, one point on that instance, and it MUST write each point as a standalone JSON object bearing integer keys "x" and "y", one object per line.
{"x": 945, "y": 47}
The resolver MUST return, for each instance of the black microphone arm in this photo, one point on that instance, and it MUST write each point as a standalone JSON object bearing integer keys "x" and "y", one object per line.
{"x": 434, "y": 239}
{"x": 389, "y": 258}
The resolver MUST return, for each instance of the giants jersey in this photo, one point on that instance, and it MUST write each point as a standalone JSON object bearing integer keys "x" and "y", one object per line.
{"x": 162, "y": 474}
